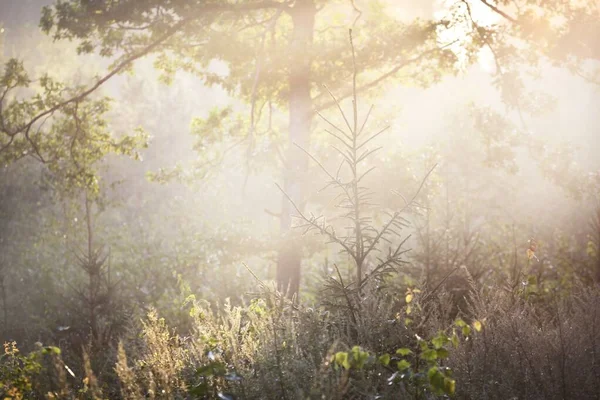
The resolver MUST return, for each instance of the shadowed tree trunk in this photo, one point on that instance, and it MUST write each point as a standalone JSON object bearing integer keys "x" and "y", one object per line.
{"x": 4, "y": 301}
{"x": 290, "y": 252}
{"x": 596, "y": 227}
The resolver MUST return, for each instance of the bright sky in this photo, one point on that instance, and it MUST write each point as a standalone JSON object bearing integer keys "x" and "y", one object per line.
{"x": 481, "y": 14}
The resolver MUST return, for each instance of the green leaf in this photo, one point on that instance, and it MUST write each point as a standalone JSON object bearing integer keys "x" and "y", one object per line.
{"x": 432, "y": 372}
{"x": 341, "y": 358}
{"x": 385, "y": 359}
{"x": 449, "y": 386}
{"x": 429, "y": 355}
{"x": 439, "y": 340}
{"x": 436, "y": 379}
{"x": 460, "y": 323}
{"x": 454, "y": 339}
{"x": 466, "y": 330}
{"x": 359, "y": 357}
{"x": 403, "y": 364}
{"x": 404, "y": 351}
{"x": 205, "y": 370}
{"x": 442, "y": 353}
{"x": 52, "y": 350}
{"x": 477, "y": 325}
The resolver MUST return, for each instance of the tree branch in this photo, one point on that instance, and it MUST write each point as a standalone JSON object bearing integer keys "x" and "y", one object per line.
{"x": 383, "y": 77}
{"x": 499, "y": 11}
{"x": 143, "y": 52}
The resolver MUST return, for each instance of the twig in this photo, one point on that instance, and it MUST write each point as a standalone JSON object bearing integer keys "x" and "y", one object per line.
{"x": 350, "y": 306}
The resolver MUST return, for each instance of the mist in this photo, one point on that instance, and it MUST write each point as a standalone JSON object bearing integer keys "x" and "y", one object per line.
{"x": 299, "y": 199}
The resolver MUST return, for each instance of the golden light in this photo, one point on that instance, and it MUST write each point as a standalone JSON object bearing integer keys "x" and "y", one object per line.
{"x": 474, "y": 12}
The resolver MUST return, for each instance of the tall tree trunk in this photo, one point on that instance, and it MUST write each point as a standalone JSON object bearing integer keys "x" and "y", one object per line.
{"x": 4, "y": 301}
{"x": 92, "y": 270}
{"x": 290, "y": 252}
{"x": 597, "y": 227}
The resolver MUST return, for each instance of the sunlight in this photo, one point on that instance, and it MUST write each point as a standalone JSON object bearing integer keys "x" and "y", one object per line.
{"x": 458, "y": 31}
{"x": 292, "y": 199}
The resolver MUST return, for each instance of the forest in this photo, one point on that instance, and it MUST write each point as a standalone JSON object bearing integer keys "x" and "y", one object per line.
{"x": 300, "y": 199}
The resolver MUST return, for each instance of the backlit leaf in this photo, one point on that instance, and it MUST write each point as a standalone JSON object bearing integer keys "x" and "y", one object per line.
{"x": 404, "y": 351}
{"x": 385, "y": 359}
{"x": 403, "y": 364}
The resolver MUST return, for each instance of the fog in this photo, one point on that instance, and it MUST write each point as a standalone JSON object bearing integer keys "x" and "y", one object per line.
{"x": 215, "y": 176}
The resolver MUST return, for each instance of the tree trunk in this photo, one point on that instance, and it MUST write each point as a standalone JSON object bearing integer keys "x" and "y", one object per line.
{"x": 597, "y": 226}
{"x": 290, "y": 253}
{"x": 4, "y": 301}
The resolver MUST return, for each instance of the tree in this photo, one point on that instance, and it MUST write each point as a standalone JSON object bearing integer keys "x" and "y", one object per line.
{"x": 277, "y": 52}
{"x": 249, "y": 36}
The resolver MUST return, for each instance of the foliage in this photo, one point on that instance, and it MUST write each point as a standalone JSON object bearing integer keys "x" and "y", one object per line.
{"x": 18, "y": 373}
{"x": 158, "y": 304}
{"x": 77, "y": 137}
{"x": 271, "y": 38}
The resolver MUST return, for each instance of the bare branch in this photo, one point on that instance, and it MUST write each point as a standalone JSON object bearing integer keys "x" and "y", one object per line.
{"x": 336, "y": 102}
{"x": 383, "y": 77}
{"x": 357, "y": 10}
{"x": 322, "y": 229}
{"x": 344, "y": 290}
{"x": 500, "y": 12}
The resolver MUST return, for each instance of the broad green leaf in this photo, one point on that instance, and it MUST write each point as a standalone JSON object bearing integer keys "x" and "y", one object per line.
{"x": 384, "y": 359}
{"x": 439, "y": 340}
{"x": 429, "y": 355}
{"x": 442, "y": 353}
{"x": 436, "y": 379}
{"x": 341, "y": 359}
{"x": 359, "y": 356}
{"x": 403, "y": 364}
{"x": 404, "y": 351}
